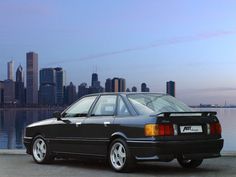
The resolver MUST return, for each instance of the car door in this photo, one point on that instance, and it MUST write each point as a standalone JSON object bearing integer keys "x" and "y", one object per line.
{"x": 98, "y": 126}
{"x": 67, "y": 131}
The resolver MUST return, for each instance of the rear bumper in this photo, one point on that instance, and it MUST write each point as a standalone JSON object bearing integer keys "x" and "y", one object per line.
{"x": 168, "y": 150}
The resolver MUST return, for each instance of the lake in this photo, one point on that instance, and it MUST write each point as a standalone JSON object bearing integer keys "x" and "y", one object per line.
{"x": 13, "y": 123}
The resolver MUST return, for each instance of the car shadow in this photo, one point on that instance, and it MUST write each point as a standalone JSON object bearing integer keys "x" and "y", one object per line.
{"x": 147, "y": 168}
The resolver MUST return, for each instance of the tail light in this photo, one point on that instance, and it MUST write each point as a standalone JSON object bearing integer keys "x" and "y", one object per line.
{"x": 214, "y": 128}
{"x": 159, "y": 130}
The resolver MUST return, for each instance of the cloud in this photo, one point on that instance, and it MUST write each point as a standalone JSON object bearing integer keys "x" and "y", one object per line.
{"x": 155, "y": 44}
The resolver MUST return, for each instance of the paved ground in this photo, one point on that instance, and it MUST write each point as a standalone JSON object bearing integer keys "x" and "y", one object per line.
{"x": 24, "y": 166}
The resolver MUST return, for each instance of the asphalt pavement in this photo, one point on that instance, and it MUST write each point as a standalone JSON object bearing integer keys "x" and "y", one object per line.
{"x": 23, "y": 166}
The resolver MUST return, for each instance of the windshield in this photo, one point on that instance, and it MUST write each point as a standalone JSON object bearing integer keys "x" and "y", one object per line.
{"x": 156, "y": 103}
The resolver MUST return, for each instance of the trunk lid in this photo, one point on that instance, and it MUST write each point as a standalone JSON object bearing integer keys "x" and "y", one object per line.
{"x": 188, "y": 125}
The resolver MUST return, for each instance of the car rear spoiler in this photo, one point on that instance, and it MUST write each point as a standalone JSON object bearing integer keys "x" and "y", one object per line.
{"x": 177, "y": 114}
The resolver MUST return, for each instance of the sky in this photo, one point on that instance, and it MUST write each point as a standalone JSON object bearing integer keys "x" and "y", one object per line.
{"x": 190, "y": 42}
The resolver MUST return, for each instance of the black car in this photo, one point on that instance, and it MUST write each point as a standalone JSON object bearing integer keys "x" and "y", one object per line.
{"x": 125, "y": 128}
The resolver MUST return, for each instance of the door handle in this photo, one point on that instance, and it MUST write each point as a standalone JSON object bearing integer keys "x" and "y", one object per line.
{"x": 106, "y": 123}
{"x": 77, "y": 124}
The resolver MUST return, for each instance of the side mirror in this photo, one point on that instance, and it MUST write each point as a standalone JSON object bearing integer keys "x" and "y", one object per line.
{"x": 57, "y": 115}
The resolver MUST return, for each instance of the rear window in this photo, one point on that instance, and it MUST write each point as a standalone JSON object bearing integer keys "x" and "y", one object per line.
{"x": 156, "y": 103}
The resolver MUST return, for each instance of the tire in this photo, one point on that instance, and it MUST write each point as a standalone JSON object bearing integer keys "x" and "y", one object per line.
{"x": 40, "y": 151}
{"x": 119, "y": 156}
{"x": 191, "y": 163}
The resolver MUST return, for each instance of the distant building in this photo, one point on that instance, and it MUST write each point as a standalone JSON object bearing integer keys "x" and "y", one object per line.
{"x": 82, "y": 90}
{"x": 70, "y": 93}
{"x": 19, "y": 86}
{"x": 144, "y": 88}
{"x": 134, "y": 89}
{"x": 118, "y": 84}
{"x": 47, "y": 90}
{"x": 60, "y": 84}
{"x": 94, "y": 80}
{"x": 32, "y": 78}
{"x": 95, "y": 85}
{"x": 170, "y": 88}
{"x": 1, "y": 92}
{"x": 122, "y": 85}
{"x": 108, "y": 85}
{"x": 10, "y": 70}
{"x": 115, "y": 84}
{"x": 9, "y": 92}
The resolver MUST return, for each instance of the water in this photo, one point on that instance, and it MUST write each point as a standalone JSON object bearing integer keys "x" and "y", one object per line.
{"x": 13, "y": 123}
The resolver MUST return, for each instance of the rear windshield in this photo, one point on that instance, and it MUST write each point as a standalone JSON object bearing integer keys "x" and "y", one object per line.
{"x": 156, "y": 103}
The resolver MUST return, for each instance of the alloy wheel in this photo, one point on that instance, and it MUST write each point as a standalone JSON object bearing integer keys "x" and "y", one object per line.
{"x": 39, "y": 150}
{"x": 118, "y": 155}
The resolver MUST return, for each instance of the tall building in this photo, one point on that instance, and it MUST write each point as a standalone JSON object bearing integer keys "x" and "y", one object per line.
{"x": 60, "y": 84}
{"x": 122, "y": 85}
{"x": 170, "y": 88}
{"x": 47, "y": 90}
{"x": 70, "y": 93}
{"x": 9, "y": 91}
{"x": 115, "y": 84}
{"x": 10, "y": 70}
{"x": 134, "y": 89}
{"x": 108, "y": 85}
{"x": 19, "y": 86}
{"x": 1, "y": 92}
{"x": 20, "y": 74}
{"x": 94, "y": 79}
{"x": 144, "y": 88}
{"x": 32, "y": 78}
{"x": 82, "y": 90}
{"x": 95, "y": 85}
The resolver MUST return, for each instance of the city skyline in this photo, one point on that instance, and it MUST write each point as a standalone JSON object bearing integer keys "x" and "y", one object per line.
{"x": 190, "y": 42}
{"x": 47, "y": 86}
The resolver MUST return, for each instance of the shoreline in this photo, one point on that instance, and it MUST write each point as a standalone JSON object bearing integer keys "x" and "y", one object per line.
{"x": 31, "y": 108}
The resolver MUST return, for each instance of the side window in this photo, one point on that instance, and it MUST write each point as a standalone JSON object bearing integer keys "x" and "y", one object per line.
{"x": 80, "y": 108}
{"x": 122, "y": 109}
{"x": 105, "y": 106}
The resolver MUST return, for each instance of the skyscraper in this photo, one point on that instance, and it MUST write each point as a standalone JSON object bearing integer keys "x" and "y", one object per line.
{"x": 115, "y": 84}
{"x": 95, "y": 85}
{"x": 19, "y": 85}
{"x": 47, "y": 90}
{"x": 122, "y": 85}
{"x": 108, "y": 85}
{"x": 170, "y": 88}
{"x": 94, "y": 79}
{"x": 9, "y": 91}
{"x": 70, "y": 93}
{"x": 60, "y": 84}
{"x": 82, "y": 90}
{"x": 32, "y": 78}
{"x": 19, "y": 74}
{"x": 1, "y": 92}
{"x": 10, "y": 70}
